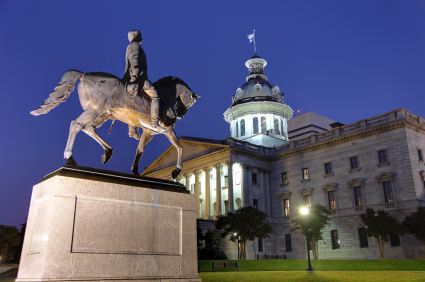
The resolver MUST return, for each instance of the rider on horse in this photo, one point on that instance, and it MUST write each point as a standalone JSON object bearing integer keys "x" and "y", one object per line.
{"x": 136, "y": 77}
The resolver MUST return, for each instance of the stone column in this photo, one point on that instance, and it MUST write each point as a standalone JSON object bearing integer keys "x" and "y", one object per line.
{"x": 196, "y": 173}
{"x": 269, "y": 206}
{"x": 244, "y": 188}
{"x": 248, "y": 169}
{"x": 207, "y": 192}
{"x": 230, "y": 194}
{"x": 187, "y": 176}
{"x": 218, "y": 188}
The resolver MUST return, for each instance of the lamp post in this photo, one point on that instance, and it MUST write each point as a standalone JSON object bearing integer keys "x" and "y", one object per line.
{"x": 236, "y": 234}
{"x": 304, "y": 211}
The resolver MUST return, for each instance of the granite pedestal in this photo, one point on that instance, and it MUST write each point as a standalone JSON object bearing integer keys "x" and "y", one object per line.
{"x": 87, "y": 224}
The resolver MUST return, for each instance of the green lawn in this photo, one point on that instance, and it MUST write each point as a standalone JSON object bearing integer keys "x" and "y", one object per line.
{"x": 322, "y": 265}
{"x": 329, "y": 276}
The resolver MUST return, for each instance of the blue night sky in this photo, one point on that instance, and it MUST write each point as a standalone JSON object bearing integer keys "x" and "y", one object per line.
{"x": 346, "y": 60}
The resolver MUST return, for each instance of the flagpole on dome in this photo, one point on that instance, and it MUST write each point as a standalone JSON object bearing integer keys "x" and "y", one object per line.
{"x": 251, "y": 38}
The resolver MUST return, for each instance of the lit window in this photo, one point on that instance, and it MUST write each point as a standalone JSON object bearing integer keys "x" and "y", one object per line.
{"x": 335, "y": 239}
{"x": 363, "y": 238}
{"x": 307, "y": 200}
{"x": 286, "y": 207}
{"x": 276, "y": 126}
{"x": 226, "y": 180}
{"x": 288, "y": 243}
{"x": 328, "y": 168}
{"x": 255, "y": 125}
{"x": 383, "y": 157}
{"x": 305, "y": 173}
{"x": 388, "y": 192}
{"x": 358, "y": 195}
{"x": 254, "y": 178}
{"x": 237, "y": 129}
{"x": 255, "y": 203}
{"x": 354, "y": 162}
{"x": 226, "y": 206}
{"x": 421, "y": 158}
{"x": 284, "y": 178}
{"x": 192, "y": 188}
{"x": 242, "y": 127}
{"x": 332, "y": 201}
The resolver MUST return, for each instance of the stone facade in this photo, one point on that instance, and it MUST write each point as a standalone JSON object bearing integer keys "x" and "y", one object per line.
{"x": 248, "y": 174}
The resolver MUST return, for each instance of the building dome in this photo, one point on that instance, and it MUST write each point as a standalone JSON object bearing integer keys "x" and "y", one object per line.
{"x": 258, "y": 108}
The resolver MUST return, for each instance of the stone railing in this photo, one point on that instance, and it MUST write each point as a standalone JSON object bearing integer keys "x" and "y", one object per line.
{"x": 325, "y": 134}
{"x": 377, "y": 119}
{"x": 350, "y": 127}
{"x": 304, "y": 141}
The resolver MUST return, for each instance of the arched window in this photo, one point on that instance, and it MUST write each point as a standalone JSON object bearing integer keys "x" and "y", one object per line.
{"x": 242, "y": 127}
{"x": 276, "y": 126}
{"x": 255, "y": 125}
{"x": 237, "y": 129}
{"x": 263, "y": 125}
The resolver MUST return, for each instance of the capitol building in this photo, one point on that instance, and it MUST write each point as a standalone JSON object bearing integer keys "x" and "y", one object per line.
{"x": 278, "y": 163}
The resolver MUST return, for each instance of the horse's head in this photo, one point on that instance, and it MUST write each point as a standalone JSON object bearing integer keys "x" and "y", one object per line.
{"x": 185, "y": 100}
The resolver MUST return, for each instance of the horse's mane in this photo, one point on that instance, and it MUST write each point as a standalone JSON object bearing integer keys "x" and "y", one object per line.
{"x": 165, "y": 83}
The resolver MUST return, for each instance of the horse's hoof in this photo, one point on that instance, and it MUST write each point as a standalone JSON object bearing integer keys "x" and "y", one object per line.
{"x": 71, "y": 161}
{"x": 67, "y": 154}
{"x": 106, "y": 156}
{"x": 175, "y": 173}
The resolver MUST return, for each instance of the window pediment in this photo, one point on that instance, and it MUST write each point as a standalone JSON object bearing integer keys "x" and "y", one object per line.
{"x": 285, "y": 195}
{"x": 355, "y": 181}
{"x": 329, "y": 186}
{"x": 385, "y": 175}
{"x": 306, "y": 191}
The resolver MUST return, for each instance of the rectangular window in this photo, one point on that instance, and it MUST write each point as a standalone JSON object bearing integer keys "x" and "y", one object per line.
{"x": 254, "y": 178}
{"x": 363, "y": 238}
{"x": 288, "y": 243}
{"x": 284, "y": 178}
{"x": 305, "y": 173}
{"x": 226, "y": 180}
{"x": 358, "y": 196}
{"x": 395, "y": 240}
{"x": 192, "y": 188}
{"x": 354, "y": 162}
{"x": 307, "y": 200}
{"x": 421, "y": 158}
{"x": 226, "y": 206}
{"x": 335, "y": 239}
{"x": 332, "y": 201}
{"x": 255, "y": 203}
{"x": 388, "y": 192}
{"x": 383, "y": 158}
{"x": 286, "y": 207}
{"x": 328, "y": 168}
{"x": 260, "y": 245}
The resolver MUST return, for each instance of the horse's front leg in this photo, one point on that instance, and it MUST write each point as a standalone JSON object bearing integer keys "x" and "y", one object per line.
{"x": 171, "y": 135}
{"x": 76, "y": 126}
{"x": 144, "y": 139}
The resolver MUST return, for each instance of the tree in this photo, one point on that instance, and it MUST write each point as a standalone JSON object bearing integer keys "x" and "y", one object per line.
{"x": 9, "y": 237}
{"x": 248, "y": 223}
{"x": 415, "y": 224}
{"x": 379, "y": 225}
{"x": 317, "y": 218}
{"x": 18, "y": 248}
{"x": 212, "y": 248}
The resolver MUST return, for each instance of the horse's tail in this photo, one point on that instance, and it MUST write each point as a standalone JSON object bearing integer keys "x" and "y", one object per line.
{"x": 61, "y": 92}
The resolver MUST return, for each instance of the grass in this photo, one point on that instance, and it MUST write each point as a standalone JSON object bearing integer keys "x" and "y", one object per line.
{"x": 321, "y": 265}
{"x": 329, "y": 276}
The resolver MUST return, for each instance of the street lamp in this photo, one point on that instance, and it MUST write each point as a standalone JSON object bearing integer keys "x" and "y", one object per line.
{"x": 234, "y": 235}
{"x": 304, "y": 211}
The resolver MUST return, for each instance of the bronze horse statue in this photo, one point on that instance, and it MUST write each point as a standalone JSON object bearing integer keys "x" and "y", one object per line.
{"x": 104, "y": 96}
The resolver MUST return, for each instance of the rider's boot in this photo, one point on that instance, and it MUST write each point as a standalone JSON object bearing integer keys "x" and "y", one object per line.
{"x": 155, "y": 115}
{"x": 132, "y": 132}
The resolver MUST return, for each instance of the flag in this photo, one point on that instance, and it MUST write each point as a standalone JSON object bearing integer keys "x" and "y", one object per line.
{"x": 251, "y": 37}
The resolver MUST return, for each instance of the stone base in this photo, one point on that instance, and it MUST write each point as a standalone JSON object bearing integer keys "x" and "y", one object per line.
{"x": 87, "y": 224}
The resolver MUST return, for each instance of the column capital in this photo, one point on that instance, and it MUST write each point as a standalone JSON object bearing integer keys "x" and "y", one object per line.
{"x": 188, "y": 175}
{"x": 207, "y": 169}
{"x": 245, "y": 166}
{"x": 196, "y": 172}
{"x": 218, "y": 166}
{"x": 228, "y": 163}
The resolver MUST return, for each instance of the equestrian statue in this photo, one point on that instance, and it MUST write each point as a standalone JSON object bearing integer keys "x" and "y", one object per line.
{"x": 134, "y": 100}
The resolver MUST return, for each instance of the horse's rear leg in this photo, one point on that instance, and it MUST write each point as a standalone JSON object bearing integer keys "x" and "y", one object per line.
{"x": 144, "y": 139}
{"x": 171, "y": 135}
{"x": 86, "y": 117}
{"x": 90, "y": 130}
